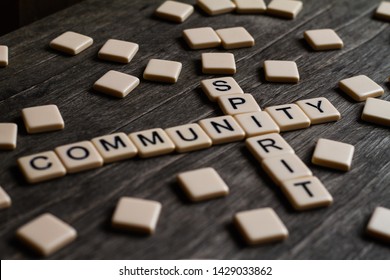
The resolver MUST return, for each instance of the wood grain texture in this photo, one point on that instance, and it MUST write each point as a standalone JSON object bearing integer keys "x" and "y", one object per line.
{"x": 38, "y": 76}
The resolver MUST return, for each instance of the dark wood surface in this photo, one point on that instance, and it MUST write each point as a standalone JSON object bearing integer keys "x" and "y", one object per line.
{"x": 37, "y": 75}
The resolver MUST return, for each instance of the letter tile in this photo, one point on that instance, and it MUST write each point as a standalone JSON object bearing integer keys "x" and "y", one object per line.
{"x": 284, "y": 8}
{"x": 71, "y": 43}
{"x": 319, "y": 110}
{"x": 268, "y": 145}
{"x": 174, "y": 11}
{"x": 3, "y": 56}
{"x": 8, "y": 136}
{"x": 281, "y": 71}
{"x": 189, "y": 137}
{"x": 116, "y": 84}
{"x": 201, "y": 38}
{"x": 377, "y": 111}
{"x": 160, "y": 70}
{"x": 235, "y": 37}
{"x": 333, "y": 154}
{"x": 212, "y": 7}
{"x": 222, "y": 129}
{"x": 152, "y": 142}
{"x": 218, "y": 63}
{"x": 360, "y": 87}
{"x": 118, "y": 51}
{"x": 379, "y": 224}
{"x": 257, "y": 123}
{"x": 250, "y": 6}
{"x": 5, "y": 200}
{"x": 217, "y": 87}
{"x": 238, "y": 104}
{"x": 288, "y": 117}
{"x": 42, "y": 119}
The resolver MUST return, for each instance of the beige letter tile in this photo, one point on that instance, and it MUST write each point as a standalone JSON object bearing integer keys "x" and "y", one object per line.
{"x": 3, "y": 56}
{"x": 383, "y": 11}
{"x": 71, "y": 43}
{"x": 162, "y": 71}
{"x": 260, "y": 226}
{"x": 115, "y": 147}
{"x": 288, "y": 117}
{"x": 377, "y": 111}
{"x": 212, "y": 7}
{"x": 284, "y": 8}
{"x": 333, "y": 154}
{"x": 238, "y": 104}
{"x": 174, "y": 11}
{"x": 250, "y": 6}
{"x": 220, "y": 87}
{"x": 257, "y": 123}
{"x": 306, "y": 193}
{"x": 218, "y": 63}
{"x": 281, "y": 71}
{"x": 41, "y": 167}
{"x": 323, "y": 39}
{"x": 189, "y": 137}
{"x": 379, "y": 224}
{"x": 319, "y": 110}
{"x": 285, "y": 167}
{"x": 360, "y": 87}
{"x": 268, "y": 145}
{"x": 202, "y": 184}
{"x": 235, "y": 37}
{"x": 46, "y": 234}
{"x": 222, "y": 129}
{"x": 42, "y": 119}
{"x": 116, "y": 84}
{"x": 152, "y": 142}
{"x": 79, "y": 156}
{"x": 118, "y": 51}
{"x": 201, "y": 38}
{"x": 8, "y": 136}
{"x": 136, "y": 215}
{"x": 5, "y": 200}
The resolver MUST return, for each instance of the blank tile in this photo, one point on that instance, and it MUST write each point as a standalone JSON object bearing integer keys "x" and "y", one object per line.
{"x": 46, "y": 234}
{"x": 212, "y": 7}
{"x": 162, "y": 71}
{"x": 202, "y": 184}
{"x": 238, "y": 104}
{"x": 188, "y": 137}
{"x": 379, "y": 224}
{"x": 319, "y": 110}
{"x": 201, "y": 38}
{"x": 3, "y": 56}
{"x": 174, "y": 11}
{"x": 115, "y": 147}
{"x": 377, "y": 111}
{"x": 220, "y": 87}
{"x": 116, "y": 84}
{"x": 323, "y": 39}
{"x": 79, "y": 156}
{"x": 118, "y": 51}
{"x": 8, "y": 136}
{"x": 42, "y": 119}
{"x": 281, "y": 71}
{"x": 284, "y": 8}
{"x": 383, "y": 11}
{"x": 268, "y": 145}
{"x": 235, "y": 37}
{"x": 41, "y": 167}
{"x": 218, "y": 63}
{"x": 306, "y": 193}
{"x": 152, "y": 142}
{"x": 360, "y": 87}
{"x": 222, "y": 129}
{"x": 257, "y": 123}
{"x": 288, "y": 117}
{"x": 136, "y": 215}
{"x": 260, "y": 226}
{"x": 285, "y": 167}
{"x": 333, "y": 154}
{"x": 250, "y": 6}
{"x": 5, "y": 200}
{"x": 71, "y": 43}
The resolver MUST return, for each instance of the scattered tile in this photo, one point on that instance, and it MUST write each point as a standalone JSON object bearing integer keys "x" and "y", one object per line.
{"x": 5, "y": 200}
{"x": 136, "y": 215}
{"x": 118, "y": 51}
{"x": 71, "y": 43}
{"x": 218, "y": 63}
{"x": 281, "y": 71}
{"x": 377, "y": 111}
{"x": 360, "y": 87}
{"x": 284, "y": 8}
{"x": 42, "y": 119}
{"x": 165, "y": 71}
{"x": 201, "y": 38}
{"x": 323, "y": 39}
{"x": 212, "y": 7}
{"x": 189, "y": 137}
{"x": 379, "y": 224}
{"x": 383, "y": 11}
{"x": 250, "y": 6}
{"x": 222, "y": 129}
{"x": 202, "y": 184}
{"x": 174, "y": 11}
{"x": 217, "y": 87}
{"x": 235, "y": 37}
{"x": 288, "y": 117}
{"x": 268, "y": 145}
{"x": 238, "y": 104}
{"x": 8, "y": 136}
{"x": 319, "y": 110}
{"x": 116, "y": 84}
{"x": 152, "y": 142}
{"x": 3, "y": 56}
{"x": 333, "y": 154}
{"x": 257, "y": 123}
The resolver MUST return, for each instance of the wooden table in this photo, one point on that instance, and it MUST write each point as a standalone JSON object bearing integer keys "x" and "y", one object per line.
{"x": 38, "y": 75}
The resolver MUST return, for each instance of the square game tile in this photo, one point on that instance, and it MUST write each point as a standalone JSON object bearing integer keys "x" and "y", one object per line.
{"x": 284, "y": 8}
{"x": 360, "y": 87}
{"x": 238, "y": 104}
{"x": 136, "y": 215}
{"x": 281, "y": 71}
{"x": 5, "y": 200}
{"x": 268, "y": 145}
{"x": 260, "y": 226}
{"x": 3, "y": 56}
{"x": 46, "y": 234}
{"x": 212, "y": 7}
{"x": 202, "y": 184}
{"x": 222, "y": 129}
{"x": 323, "y": 39}
{"x": 319, "y": 110}
{"x": 379, "y": 224}
{"x": 201, "y": 38}
{"x": 257, "y": 123}
{"x": 71, "y": 43}
{"x": 152, "y": 142}
{"x": 189, "y": 137}
{"x": 174, "y": 11}
{"x": 377, "y": 111}
{"x": 333, "y": 154}
{"x": 250, "y": 6}
{"x": 8, "y": 136}
{"x": 42, "y": 119}
{"x": 217, "y": 87}
{"x": 218, "y": 63}
{"x": 116, "y": 84}
{"x": 235, "y": 37}
{"x": 288, "y": 117}
{"x": 162, "y": 71}
{"x": 383, "y": 10}
{"x": 118, "y": 51}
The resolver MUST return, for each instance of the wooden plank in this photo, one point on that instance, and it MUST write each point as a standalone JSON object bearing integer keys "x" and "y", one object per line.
{"x": 38, "y": 75}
